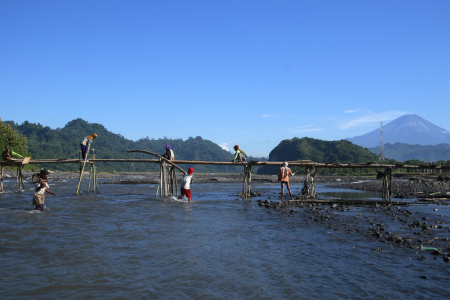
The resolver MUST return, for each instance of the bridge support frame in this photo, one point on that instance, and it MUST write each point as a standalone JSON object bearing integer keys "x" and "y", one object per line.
{"x": 309, "y": 185}
{"x": 247, "y": 186}
{"x": 387, "y": 180}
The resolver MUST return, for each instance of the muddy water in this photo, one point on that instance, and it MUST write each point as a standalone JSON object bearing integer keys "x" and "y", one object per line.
{"x": 126, "y": 243}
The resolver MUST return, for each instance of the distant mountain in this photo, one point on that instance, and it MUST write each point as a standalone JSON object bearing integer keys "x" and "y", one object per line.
{"x": 403, "y": 152}
{"x": 407, "y": 129}
{"x": 44, "y": 142}
{"x": 318, "y": 151}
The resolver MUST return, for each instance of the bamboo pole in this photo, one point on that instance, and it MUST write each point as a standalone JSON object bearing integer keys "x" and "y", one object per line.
{"x": 387, "y": 179}
{"x": 17, "y": 179}
{"x": 94, "y": 170}
{"x": 160, "y": 179}
{"x": 244, "y": 192}
{"x": 249, "y": 179}
{"x": 82, "y": 169}
{"x": 2, "y": 174}
{"x": 21, "y": 177}
{"x": 254, "y": 163}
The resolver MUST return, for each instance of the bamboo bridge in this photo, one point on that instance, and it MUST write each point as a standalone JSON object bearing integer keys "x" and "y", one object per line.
{"x": 168, "y": 183}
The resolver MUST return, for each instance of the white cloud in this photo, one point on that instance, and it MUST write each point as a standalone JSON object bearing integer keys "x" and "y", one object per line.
{"x": 371, "y": 118}
{"x": 304, "y": 128}
{"x": 224, "y": 146}
{"x": 352, "y": 111}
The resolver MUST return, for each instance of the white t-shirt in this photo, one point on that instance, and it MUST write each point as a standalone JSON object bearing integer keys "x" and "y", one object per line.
{"x": 42, "y": 190}
{"x": 187, "y": 179}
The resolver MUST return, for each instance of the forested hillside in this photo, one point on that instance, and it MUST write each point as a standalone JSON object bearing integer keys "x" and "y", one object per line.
{"x": 317, "y": 151}
{"x": 44, "y": 142}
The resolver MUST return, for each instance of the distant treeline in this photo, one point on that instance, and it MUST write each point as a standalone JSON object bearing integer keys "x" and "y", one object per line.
{"x": 403, "y": 152}
{"x": 63, "y": 143}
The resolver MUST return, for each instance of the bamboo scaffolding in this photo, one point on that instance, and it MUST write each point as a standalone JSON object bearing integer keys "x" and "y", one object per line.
{"x": 309, "y": 186}
{"x": 169, "y": 178}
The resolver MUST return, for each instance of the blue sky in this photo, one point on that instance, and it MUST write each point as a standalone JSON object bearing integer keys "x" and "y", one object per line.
{"x": 242, "y": 72}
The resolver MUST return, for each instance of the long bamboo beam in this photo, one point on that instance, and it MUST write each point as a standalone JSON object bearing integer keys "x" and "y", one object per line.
{"x": 254, "y": 163}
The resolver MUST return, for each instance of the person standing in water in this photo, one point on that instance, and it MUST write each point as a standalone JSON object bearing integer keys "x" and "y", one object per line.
{"x": 283, "y": 177}
{"x": 41, "y": 189}
{"x": 186, "y": 185}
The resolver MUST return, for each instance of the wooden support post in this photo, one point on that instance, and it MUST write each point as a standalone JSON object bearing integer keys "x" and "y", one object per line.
{"x": 160, "y": 178}
{"x": 82, "y": 169}
{"x": 387, "y": 179}
{"x": 175, "y": 182}
{"x": 165, "y": 181}
{"x": 17, "y": 178}
{"x": 91, "y": 171}
{"x": 246, "y": 188}
{"x": 249, "y": 179}
{"x": 172, "y": 180}
{"x": 21, "y": 177}
{"x": 94, "y": 175}
{"x": 2, "y": 174}
{"x": 244, "y": 183}
{"x": 309, "y": 186}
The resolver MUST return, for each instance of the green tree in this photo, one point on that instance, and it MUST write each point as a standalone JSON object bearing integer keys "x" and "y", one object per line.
{"x": 9, "y": 137}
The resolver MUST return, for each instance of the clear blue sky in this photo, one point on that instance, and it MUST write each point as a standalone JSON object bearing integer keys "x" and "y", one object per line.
{"x": 241, "y": 72}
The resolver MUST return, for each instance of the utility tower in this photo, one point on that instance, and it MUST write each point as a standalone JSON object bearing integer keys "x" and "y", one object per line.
{"x": 381, "y": 155}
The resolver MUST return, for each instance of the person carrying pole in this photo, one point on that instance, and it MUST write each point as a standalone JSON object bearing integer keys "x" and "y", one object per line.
{"x": 186, "y": 185}
{"x": 41, "y": 189}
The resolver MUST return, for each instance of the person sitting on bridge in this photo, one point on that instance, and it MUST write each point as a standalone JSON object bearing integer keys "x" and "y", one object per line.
{"x": 283, "y": 177}
{"x": 186, "y": 186}
{"x": 42, "y": 187}
{"x": 85, "y": 145}
{"x": 6, "y": 154}
{"x": 169, "y": 155}
{"x": 240, "y": 155}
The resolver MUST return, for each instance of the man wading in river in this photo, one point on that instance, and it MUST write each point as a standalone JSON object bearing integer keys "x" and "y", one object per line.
{"x": 283, "y": 176}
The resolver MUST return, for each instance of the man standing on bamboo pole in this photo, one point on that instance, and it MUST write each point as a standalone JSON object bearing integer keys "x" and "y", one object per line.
{"x": 85, "y": 145}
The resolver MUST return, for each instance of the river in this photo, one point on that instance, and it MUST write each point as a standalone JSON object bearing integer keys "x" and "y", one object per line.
{"x": 125, "y": 243}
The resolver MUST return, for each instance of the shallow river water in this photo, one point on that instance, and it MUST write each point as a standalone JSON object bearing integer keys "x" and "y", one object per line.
{"x": 125, "y": 243}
